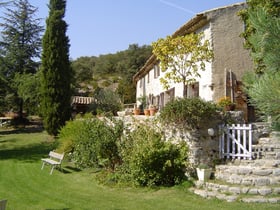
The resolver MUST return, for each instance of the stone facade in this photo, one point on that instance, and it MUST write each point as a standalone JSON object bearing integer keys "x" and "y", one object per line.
{"x": 222, "y": 77}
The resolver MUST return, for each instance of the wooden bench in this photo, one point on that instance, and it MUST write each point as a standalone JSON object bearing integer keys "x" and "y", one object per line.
{"x": 3, "y": 204}
{"x": 54, "y": 160}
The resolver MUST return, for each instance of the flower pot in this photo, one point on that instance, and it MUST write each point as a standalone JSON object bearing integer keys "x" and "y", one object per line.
{"x": 147, "y": 112}
{"x": 203, "y": 174}
{"x": 136, "y": 111}
{"x": 153, "y": 111}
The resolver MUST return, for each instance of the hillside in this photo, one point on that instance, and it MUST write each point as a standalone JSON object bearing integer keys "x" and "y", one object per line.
{"x": 110, "y": 71}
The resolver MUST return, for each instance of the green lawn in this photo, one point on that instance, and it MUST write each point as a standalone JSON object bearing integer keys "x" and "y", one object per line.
{"x": 27, "y": 187}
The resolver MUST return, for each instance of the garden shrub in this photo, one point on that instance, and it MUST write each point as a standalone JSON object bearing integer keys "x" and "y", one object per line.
{"x": 107, "y": 101}
{"x": 189, "y": 112}
{"x": 151, "y": 161}
{"x": 91, "y": 142}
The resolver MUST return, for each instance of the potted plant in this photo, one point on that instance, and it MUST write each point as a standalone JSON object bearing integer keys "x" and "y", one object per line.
{"x": 203, "y": 172}
{"x": 136, "y": 110}
{"x": 153, "y": 110}
{"x": 226, "y": 103}
{"x": 143, "y": 103}
{"x": 146, "y": 112}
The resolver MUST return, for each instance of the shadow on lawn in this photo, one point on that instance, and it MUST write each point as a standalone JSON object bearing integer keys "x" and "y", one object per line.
{"x": 31, "y": 129}
{"x": 59, "y": 209}
{"x": 28, "y": 153}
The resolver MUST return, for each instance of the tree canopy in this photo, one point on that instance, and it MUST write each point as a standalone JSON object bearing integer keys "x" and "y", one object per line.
{"x": 184, "y": 57}
{"x": 113, "y": 68}
{"x": 19, "y": 49}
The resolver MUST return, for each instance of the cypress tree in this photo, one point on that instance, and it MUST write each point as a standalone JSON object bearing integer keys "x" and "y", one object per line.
{"x": 56, "y": 71}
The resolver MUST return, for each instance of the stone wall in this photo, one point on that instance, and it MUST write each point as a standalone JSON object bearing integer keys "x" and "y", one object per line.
{"x": 203, "y": 148}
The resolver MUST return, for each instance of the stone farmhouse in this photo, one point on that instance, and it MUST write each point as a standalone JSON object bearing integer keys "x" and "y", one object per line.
{"x": 222, "y": 77}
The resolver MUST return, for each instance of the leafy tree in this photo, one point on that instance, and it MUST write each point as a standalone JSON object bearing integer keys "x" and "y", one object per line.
{"x": 83, "y": 68}
{"x": 107, "y": 101}
{"x": 184, "y": 56}
{"x": 132, "y": 60}
{"x": 272, "y": 8}
{"x": 20, "y": 47}
{"x": 28, "y": 85}
{"x": 56, "y": 72}
{"x": 121, "y": 65}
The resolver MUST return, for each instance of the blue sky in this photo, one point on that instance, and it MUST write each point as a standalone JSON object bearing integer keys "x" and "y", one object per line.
{"x": 107, "y": 26}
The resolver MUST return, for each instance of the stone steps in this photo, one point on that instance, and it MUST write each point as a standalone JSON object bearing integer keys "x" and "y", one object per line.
{"x": 248, "y": 175}
{"x": 256, "y": 180}
{"x": 262, "y": 163}
{"x": 232, "y": 193}
{"x": 231, "y": 198}
{"x": 267, "y": 148}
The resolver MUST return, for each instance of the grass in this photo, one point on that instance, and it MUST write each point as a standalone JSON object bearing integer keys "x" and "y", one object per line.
{"x": 27, "y": 187}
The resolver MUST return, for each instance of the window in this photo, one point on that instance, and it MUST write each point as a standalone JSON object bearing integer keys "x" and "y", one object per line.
{"x": 192, "y": 90}
{"x": 140, "y": 83}
{"x": 156, "y": 71}
{"x": 169, "y": 95}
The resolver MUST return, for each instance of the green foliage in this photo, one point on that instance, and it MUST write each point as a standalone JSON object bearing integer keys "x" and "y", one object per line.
{"x": 57, "y": 74}
{"x": 28, "y": 90}
{"x": 83, "y": 68}
{"x": 107, "y": 101}
{"x": 265, "y": 95}
{"x": 20, "y": 47}
{"x": 127, "y": 90}
{"x": 185, "y": 56}
{"x": 265, "y": 39}
{"x": 106, "y": 83}
{"x": 263, "y": 89}
{"x": 123, "y": 64}
{"x": 91, "y": 142}
{"x": 272, "y": 8}
{"x": 148, "y": 160}
{"x": 190, "y": 112}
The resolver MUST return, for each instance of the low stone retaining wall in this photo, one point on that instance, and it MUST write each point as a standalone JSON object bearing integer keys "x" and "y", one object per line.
{"x": 203, "y": 148}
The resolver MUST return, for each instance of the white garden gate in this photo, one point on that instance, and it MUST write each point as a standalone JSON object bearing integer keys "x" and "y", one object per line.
{"x": 236, "y": 141}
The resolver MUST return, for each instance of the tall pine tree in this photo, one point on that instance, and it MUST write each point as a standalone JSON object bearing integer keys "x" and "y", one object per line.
{"x": 56, "y": 71}
{"x": 20, "y": 47}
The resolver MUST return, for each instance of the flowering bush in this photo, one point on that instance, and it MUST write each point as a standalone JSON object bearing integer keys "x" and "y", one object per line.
{"x": 224, "y": 101}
